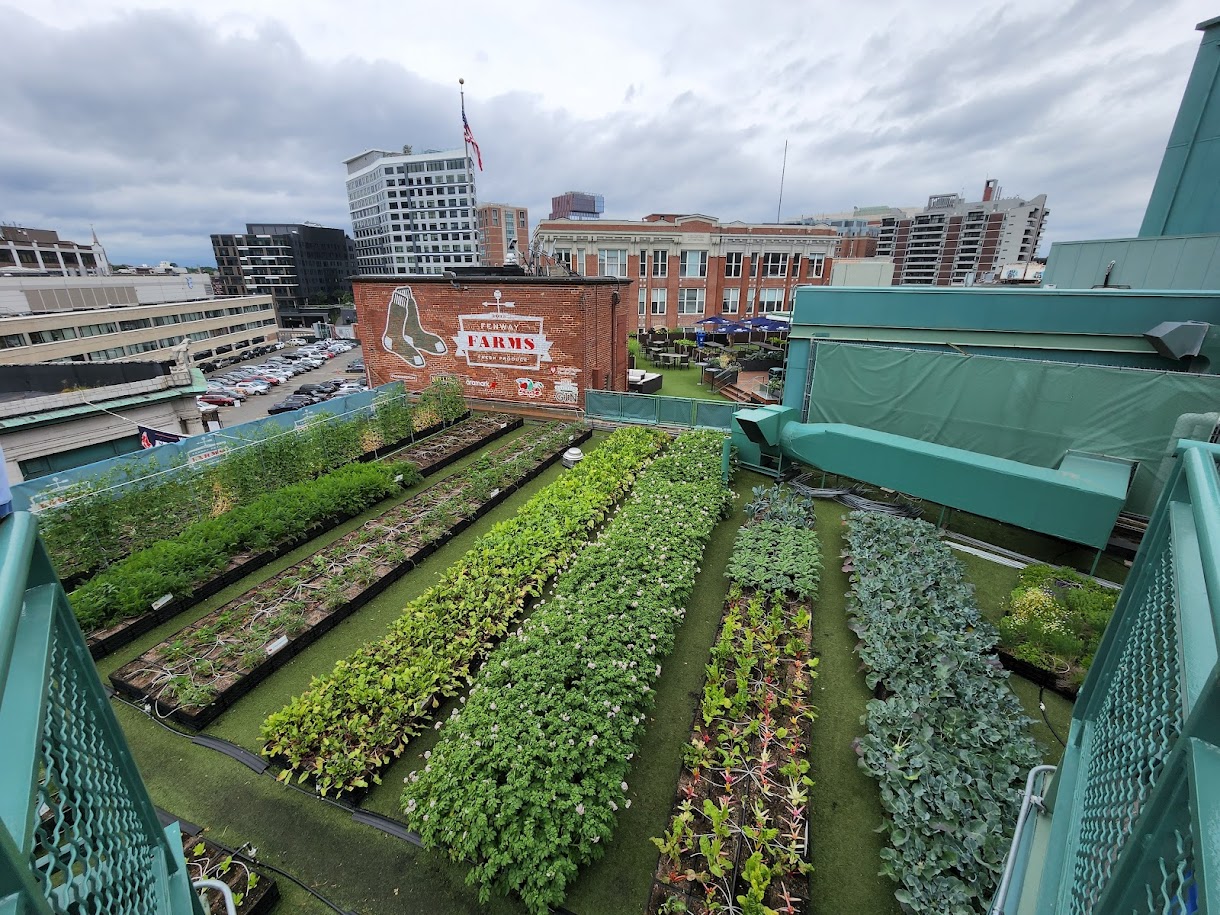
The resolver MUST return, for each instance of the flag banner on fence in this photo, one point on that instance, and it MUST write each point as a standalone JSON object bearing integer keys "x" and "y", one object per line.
{"x": 150, "y": 438}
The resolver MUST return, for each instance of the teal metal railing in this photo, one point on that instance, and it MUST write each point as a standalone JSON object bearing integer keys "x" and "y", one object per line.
{"x": 80, "y": 834}
{"x": 1131, "y": 822}
{"x": 655, "y": 409}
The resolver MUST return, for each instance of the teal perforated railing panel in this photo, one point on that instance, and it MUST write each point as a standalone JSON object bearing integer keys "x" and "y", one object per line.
{"x": 1139, "y": 720}
{"x": 92, "y": 851}
{"x": 78, "y": 832}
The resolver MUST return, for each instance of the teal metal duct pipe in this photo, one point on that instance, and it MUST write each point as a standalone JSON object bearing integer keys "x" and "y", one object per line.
{"x": 1079, "y": 501}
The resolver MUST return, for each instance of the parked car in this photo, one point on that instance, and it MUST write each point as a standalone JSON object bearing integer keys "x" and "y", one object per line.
{"x": 216, "y": 400}
{"x": 254, "y": 387}
{"x": 289, "y": 404}
{"x": 325, "y": 387}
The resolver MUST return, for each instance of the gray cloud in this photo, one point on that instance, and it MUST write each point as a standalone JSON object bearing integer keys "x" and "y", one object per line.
{"x": 160, "y": 130}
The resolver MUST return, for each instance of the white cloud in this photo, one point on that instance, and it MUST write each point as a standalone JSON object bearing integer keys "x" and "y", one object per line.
{"x": 162, "y": 123}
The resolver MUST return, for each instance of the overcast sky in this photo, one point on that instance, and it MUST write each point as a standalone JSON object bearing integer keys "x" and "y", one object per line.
{"x": 162, "y": 122}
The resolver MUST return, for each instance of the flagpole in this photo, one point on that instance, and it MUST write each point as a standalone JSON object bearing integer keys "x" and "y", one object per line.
{"x": 782, "y": 170}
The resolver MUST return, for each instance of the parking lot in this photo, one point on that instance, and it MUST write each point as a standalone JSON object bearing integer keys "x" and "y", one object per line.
{"x": 255, "y": 406}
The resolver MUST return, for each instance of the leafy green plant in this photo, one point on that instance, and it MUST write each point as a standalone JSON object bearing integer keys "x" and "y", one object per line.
{"x": 776, "y": 556}
{"x": 526, "y": 780}
{"x": 362, "y": 714}
{"x": 949, "y": 745}
{"x": 1056, "y": 618}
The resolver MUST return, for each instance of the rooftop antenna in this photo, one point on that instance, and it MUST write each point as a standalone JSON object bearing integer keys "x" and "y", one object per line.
{"x": 782, "y": 171}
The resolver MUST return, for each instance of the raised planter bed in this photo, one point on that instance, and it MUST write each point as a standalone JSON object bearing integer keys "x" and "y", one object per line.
{"x": 451, "y": 443}
{"x": 254, "y": 891}
{"x": 1040, "y": 676}
{"x": 745, "y": 767}
{"x": 302, "y": 604}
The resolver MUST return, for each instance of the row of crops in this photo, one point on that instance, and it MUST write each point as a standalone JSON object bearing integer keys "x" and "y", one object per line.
{"x": 739, "y": 833}
{"x": 553, "y": 629}
{"x": 110, "y": 517}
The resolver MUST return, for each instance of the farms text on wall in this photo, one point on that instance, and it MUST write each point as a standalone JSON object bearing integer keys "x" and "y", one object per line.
{"x": 499, "y": 338}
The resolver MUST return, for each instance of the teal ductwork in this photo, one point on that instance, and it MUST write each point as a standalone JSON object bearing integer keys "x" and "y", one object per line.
{"x": 1078, "y": 501}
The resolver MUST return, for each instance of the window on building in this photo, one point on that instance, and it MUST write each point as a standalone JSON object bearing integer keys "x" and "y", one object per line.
{"x": 53, "y": 335}
{"x": 691, "y": 301}
{"x": 796, "y": 265}
{"x": 775, "y": 264}
{"x": 643, "y": 263}
{"x": 643, "y": 302}
{"x": 694, "y": 263}
{"x": 816, "y": 265}
{"x": 578, "y": 264}
{"x": 612, "y": 261}
{"x": 770, "y": 300}
{"x": 495, "y": 217}
{"x": 730, "y": 301}
{"x": 660, "y": 263}
{"x": 7, "y": 341}
{"x": 660, "y": 301}
{"x": 732, "y": 264}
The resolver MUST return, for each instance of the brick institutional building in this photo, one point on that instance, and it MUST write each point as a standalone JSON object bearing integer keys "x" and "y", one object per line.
{"x": 520, "y": 339}
{"x": 691, "y": 267}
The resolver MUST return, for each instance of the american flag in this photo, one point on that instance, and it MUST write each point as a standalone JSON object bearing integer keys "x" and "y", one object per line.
{"x": 469, "y": 137}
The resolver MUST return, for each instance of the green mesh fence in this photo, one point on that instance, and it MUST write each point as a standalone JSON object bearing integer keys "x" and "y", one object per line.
{"x": 80, "y": 832}
{"x": 654, "y": 409}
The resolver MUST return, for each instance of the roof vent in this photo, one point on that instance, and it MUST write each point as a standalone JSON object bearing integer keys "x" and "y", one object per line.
{"x": 1178, "y": 339}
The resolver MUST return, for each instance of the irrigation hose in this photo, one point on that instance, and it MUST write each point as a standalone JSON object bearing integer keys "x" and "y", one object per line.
{"x": 1050, "y": 727}
{"x": 248, "y": 859}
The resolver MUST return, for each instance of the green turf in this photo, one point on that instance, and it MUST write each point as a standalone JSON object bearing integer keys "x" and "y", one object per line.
{"x": 677, "y": 382}
{"x": 844, "y": 804}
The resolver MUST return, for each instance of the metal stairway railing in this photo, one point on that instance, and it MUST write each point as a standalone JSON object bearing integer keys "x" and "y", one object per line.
{"x": 1131, "y": 822}
{"x": 80, "y": 833}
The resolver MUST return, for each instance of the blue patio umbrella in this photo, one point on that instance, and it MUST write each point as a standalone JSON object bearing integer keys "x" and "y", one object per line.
{"x": 766, "y": 324}
{"x": 723, "y": 325}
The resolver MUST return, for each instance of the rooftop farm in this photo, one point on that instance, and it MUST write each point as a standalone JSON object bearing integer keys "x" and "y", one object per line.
{"x": 440, "y": 672}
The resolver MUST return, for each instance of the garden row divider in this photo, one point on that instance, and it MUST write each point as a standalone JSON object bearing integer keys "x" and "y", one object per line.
{"x": 227, "y": 697}
{"x": 107, "y": 641}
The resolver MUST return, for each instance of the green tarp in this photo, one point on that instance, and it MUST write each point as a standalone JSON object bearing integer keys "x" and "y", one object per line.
{"x": 1027, "y": 411}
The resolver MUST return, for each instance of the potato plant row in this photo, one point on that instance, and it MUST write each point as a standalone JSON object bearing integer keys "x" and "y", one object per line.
{"x": 949, "y": 744}
{"x": 353, "y": 721}
{"x": 526, "y": 780}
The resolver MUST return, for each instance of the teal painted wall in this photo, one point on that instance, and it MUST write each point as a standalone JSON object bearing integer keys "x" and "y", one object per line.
{"x": 1186, "y": 197}
{"x": 1175, "y": 262}
{"x": 819, "y": 309}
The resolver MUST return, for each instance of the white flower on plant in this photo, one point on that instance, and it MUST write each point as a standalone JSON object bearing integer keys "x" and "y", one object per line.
{"x": 627, "y": 802}
{"x": 580, "y": 809}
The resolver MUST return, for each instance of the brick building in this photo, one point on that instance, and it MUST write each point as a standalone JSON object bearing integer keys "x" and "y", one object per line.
{"x": 503, "y": 229}
{"x": 690, "y": 267}
{"x": 520, "y": 339}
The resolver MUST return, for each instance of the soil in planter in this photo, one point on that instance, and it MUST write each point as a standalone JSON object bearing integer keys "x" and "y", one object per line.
{"x": 254, "y": 890}
{"x": 789, "y": 680}
{"x": 194, "y": 674}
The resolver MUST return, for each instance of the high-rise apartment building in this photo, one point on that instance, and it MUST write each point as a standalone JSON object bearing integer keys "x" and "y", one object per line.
{"x": 412, "y": 213}
{"x": 577, "y": 205}
{"x": 952, "y": 242}
{"x": 503, "y": 229}
{"x": 303, "y": 267}
{"x": 41, "y": 252}
{"x": 691, "y": 267}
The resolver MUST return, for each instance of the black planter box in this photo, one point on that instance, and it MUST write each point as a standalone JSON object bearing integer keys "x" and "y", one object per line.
{"x": 100, "y": 647}
{"x": 203, "y": 717}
